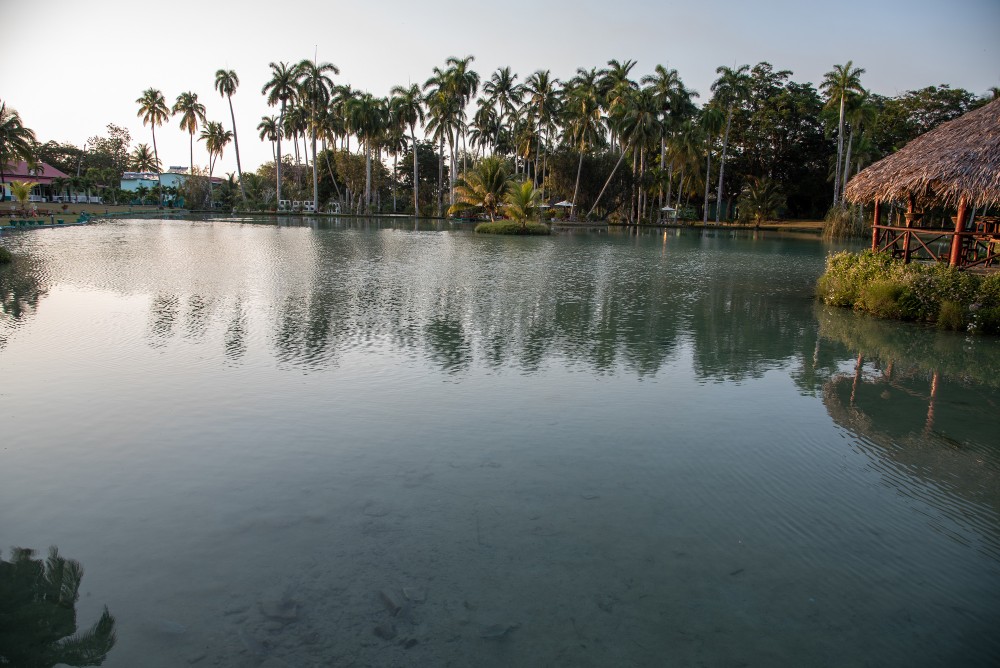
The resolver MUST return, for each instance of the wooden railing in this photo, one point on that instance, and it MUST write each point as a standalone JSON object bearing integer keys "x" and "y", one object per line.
{"x": 978, "y": 247}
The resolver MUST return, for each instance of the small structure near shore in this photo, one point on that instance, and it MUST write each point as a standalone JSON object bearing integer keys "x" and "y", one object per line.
{"x": 955, "y": 167}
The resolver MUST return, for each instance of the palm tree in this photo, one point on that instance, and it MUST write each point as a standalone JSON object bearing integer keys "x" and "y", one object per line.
{"x": 582, "y": 112}
{"x": 465, "y": 85}
{"x": 838, "y": 84}
{"x": 143, "y": 160}
{"x": 270, "y": 130}
{"x": 522, "y": 201}
{"x": 226, "y": 82}
{"x": 280, "y": 88}
{"x": 542, "y": 96}
{"x": 154, "y": 112}
{"x": 482, "y": 187}
{"x": 861, "y": 115}
{"x": 730, "y": 88}
{"x": 712, "y": 123}
{"x": 21, "y": 191}
{"x": 408, "y": 109}
{"x": 191, "y": 112}
{"x": 641, "y": 127}
{"x": 762, "y": 199}
{"x": 442, "y": 112}
{"x": 366, "y": 115}
{"x": 215, "y": 138}
{"x": 315, "y": 86}
{"x": 16, "y": 142}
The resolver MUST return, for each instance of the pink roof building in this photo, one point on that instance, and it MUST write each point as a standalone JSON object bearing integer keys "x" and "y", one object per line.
{"x": 43, "y": 175}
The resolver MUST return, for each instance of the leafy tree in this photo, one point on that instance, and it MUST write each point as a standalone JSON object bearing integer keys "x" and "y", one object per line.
{"x": 111, "y": 152}
{"x": 482, "y": 187}
{"x": 38, "y": 626}
{"x": 428, "y": 159}
{"x": 760, "y": 200}
{"x": 63, "y": 157}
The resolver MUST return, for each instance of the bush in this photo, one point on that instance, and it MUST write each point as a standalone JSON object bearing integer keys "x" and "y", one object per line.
{"x": 5, "y": 256}
{"x": 511, "y": 227}
{"x": 886, "y": 288}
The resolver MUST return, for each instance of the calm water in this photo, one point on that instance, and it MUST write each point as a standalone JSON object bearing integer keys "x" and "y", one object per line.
{"x": 594, "y": 449}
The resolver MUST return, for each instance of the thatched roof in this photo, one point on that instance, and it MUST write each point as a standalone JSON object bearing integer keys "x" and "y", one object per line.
{"x": 957, "y": 158}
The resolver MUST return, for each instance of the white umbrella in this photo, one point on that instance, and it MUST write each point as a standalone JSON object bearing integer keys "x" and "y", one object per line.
{"x": 564, "y": 204}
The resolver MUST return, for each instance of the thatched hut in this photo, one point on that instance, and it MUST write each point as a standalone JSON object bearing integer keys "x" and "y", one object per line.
{"x": 956, "y": 165}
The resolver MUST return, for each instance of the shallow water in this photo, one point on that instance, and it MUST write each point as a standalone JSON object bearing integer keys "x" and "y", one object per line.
{"x": 593, "y": 449}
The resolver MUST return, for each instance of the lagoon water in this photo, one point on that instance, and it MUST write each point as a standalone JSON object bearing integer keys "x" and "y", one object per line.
{"x": 388, "y": 443}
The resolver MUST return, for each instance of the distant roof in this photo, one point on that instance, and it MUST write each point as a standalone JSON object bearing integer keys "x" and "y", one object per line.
{"x": 960, "y": 158}
{"x": 19, "y": 172}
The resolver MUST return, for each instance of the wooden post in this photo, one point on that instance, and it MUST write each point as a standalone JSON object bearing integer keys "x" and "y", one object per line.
{"x": 878, "y": 213}
{"x": 909, "y": 223}
{"x": 956, "y": 240}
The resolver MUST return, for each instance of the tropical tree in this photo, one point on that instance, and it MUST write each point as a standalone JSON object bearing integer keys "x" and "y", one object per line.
{"x": 408, "y": 109}
{"x": 215, "y": 138}
{"x": 542, "y": 94}
{"x": 761, "y": 199}
{"x": 16, "y": 142}
{"x": 730, "y": 89}
{"x": 582, "y": 114}
{"x": 154, "y": 112}
{"x": 270, "y": 130}
{"x": 280, "y": 88}
{"x": 21, "y": 191}
{"x": 367, "y": 115}
{"x": 840, "y": 83}
{"x": 442, "y": 116}
{"x": 522, "y": 200}
{"x": 192, "y": 112}
{"x": 144, "y": 160}
{"x": 315, "y": 86}
{"x": 712, "y": 121}
{"x": 226, "y": 82}
{"x": 482, "y": 187}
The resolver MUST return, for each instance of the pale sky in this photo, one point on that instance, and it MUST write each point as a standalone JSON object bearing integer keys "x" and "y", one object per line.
{"x": 70, "y": 67}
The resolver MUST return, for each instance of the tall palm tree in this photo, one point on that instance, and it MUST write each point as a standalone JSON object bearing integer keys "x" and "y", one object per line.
{"x": 860, "y": 115}
{"x": 507, "y": 95}
{"x": 712, "y": 122}
{"x": 582, "y": 112}
{"x": 16, "y": 142}
{"x": 315, "y": 86}
{"x": 730, "y": 89}
{"x": 215, "y": 138}
{"x": 840, "y": 83}
{"x": 465, "y": 85}
{"x": 154, "y": 112}
{"x": 192, "y": 112}
{"x": 143, "y": 160}
{"x": 540, "y": 88}
{"x": 366, "y": 114}
{"x": 641, "y": 127}
{"x": 280, "y": 88}
{"x": 408, "y": 109}
{"x": 442, "y": 114}
{"x": 226, "y": 82}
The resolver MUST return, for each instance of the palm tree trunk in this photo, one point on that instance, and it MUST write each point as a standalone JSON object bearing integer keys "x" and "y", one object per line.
{"x": 610, "y": 176}
{"x": 368, "y": 176}
{"x": 440, "y": 193}
{"x": 416, "y": 198}
{"x": 847, "y": 162}
{"x": 722, "y": 165}
{"x": 576, "y": 188}
{"x": 315, "y": 175}
{"x": 277, "y": 162}
{"x": 840, "y": 153}
{"x": 236, "y": 143}
{"x": 708, "y": 176}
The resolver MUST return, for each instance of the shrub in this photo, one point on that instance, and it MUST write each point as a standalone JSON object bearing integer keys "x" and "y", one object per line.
{"x": 881, "y": 298}
{"x": 511, "y": 227}
{"x": 951, "y": 316}
{"x": 5, "y": 256}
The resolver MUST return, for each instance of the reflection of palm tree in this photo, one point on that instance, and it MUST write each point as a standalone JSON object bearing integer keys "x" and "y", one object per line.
{"x": 38, "y": 608}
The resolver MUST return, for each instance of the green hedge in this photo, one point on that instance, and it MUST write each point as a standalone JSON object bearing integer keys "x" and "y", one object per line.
{"x": 875, "y": 283}
{"x": 511, "y": 227}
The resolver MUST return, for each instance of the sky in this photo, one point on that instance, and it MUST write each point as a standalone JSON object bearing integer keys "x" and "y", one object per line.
{"x": 77, "y": 66}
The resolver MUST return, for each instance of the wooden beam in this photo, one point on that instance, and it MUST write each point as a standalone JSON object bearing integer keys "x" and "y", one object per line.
{"x": 956, "y": 240}
{"x": 878, "y": 213}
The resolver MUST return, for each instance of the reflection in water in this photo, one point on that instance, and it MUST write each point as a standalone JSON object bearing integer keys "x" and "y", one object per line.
{"x": 38, "y": 614}
{"x": 925, "y": 410}
{"x": 20, "y": 291}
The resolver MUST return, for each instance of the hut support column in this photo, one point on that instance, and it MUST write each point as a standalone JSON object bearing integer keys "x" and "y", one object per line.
{"x": 878, "y": 213}
{"x": 956, "y": 240}
{"x": 910, "y": 210}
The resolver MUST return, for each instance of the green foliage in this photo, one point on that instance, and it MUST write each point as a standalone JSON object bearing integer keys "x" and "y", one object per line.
{"x": 512, "y": 227}
{"x": 876, "y": 284}
{"x": 21, "y": 191}
{"x": 482, "y": 187}
{"x": 760, "y": 200}
{"x": 5, "y": 256}
{"x": 111, "y": 152}
{"x": 844, "y": 222}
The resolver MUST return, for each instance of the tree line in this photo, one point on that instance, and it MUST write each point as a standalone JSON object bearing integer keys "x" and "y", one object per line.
{"x": 611, "y": 143}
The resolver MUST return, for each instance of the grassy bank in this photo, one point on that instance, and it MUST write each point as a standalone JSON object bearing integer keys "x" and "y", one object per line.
{"x": 511, "y": 227}
{"x": 876, "y": 284}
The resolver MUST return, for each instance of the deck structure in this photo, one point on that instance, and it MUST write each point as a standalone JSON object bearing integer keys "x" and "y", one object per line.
{"x": 955, "y": 167}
